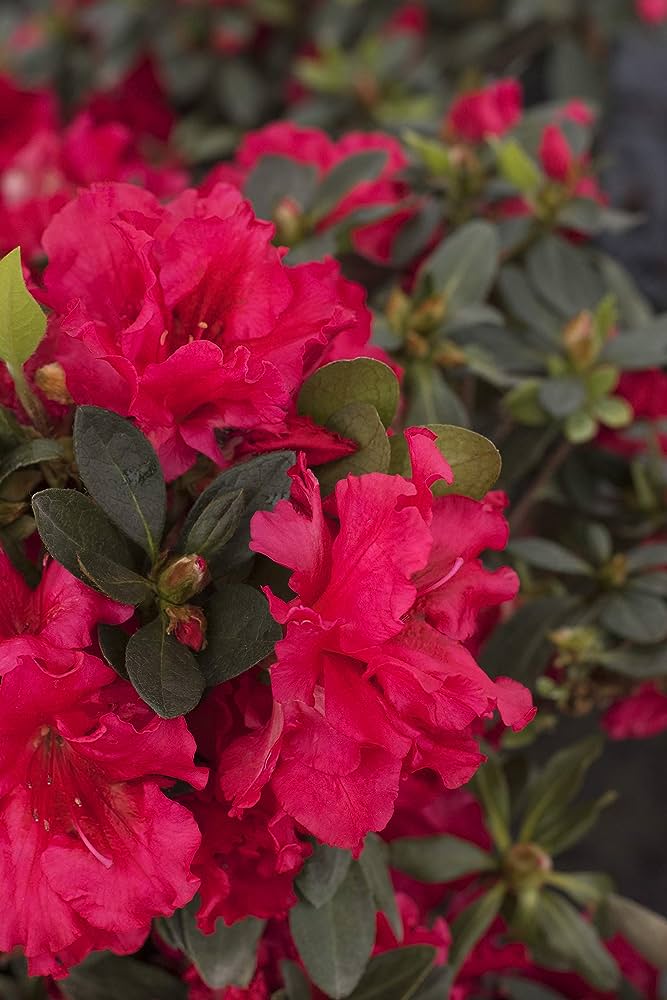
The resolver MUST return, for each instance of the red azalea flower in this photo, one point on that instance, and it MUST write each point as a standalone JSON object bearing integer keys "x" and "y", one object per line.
{"x": 652, "y": 11}
{"x": 185, "y": 318}
{"x": 54, "y": 623}
{"x": 312, "y": 146}
{"x": 491, "y": 111}
{"x": 91, "y": 846}
{"x": 641, "y": 715}
{"x": 365, "y": 688}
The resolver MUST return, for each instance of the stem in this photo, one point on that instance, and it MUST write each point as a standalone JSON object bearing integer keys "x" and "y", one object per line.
{"x": 532, "y": 494}
{"x": 29, "y": 401}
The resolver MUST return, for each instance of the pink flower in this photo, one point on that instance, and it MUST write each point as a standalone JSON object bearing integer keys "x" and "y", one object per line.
{"x": 311, "y": 146}
{"x": 370, "y": 680}
{"x": 52, "y": 624}
{"x": 91, "y": 846}
{"x": 491, "y": 111}
{"x": 185, "y": 318}
{"x": 642, "y": 715}
{"x": 652, "y": 11}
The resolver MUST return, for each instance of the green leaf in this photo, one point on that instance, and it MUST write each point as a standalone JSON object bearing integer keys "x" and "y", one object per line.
{"x": 11, "y": 431}
{"x": 568, "y": 935}
{"x": 572, "y": 824}
{"x": 561, "y": 396}
{"x": 548, "y": 555}
{"x": 637, "y": 350}
{"x": 264, "y": 481}
{"x": 358, "y": 422}
{"x": 322, "y": 874}
{"x": 215, "y": 525}
{"x": 340, "y": 180}
{"x": 113, "y": 646}
{"x": 580, "y": 427}
{"x": 475, "y": 461}
{"x": 296, "y": 983}
{"x": 395, "y": 975}
{"x": 564, "y": 276}
{"x": 490, "y": 786}
{"x": 276, "y": 177}
{"x": 227, "y": 957}
{"x": 585, "y": 888}
{"x": 650, "y": 556}
{"x": 315, "y": 247}
{"x": 646, "y": 931}
{"x": 22, "y": 322}
{"x": 517, "y": 167}
{"x": 117, "y": 582}
{"x": 439, "y": 859}
{"x": 163, "y": 671}
{"x": 431, "y": 399}
{"x": 336, "y": 940}
{"x": 523, "y": 989}
{"x": 74, "y": 530}
{"x": 30, "y": 453}
{"x": 463, "y": 267}
{"x": 556, "y": 785}
{"x": 120, "y": 470}
{"x": 634, "y": 615}
{"x": 472, "y": 924}
{"x": 240, "y": 632}
{"x": 103, "y": 976}
{"x": 374, "y": 861}
{"x": 363, "y": 380}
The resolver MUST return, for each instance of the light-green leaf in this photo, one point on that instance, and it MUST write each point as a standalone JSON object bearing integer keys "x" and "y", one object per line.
{"x": 163, "y": 671}
{"x": 475, "y": 461}
{"x": 362, "y": 380}
{"x": 22, "y": 322}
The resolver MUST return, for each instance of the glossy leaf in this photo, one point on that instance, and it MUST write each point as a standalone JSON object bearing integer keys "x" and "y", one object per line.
{"x": 163, "y": 671}
{"x": 240, "y": 633}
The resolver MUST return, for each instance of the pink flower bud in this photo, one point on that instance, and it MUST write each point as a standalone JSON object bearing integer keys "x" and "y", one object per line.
{"x": 188, "y": 625}
{"x": 555, "y": 154}
{"x": 182, "y": 578}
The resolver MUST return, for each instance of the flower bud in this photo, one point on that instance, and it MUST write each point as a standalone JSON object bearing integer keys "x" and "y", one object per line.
{"x": 580, "y": 342}
{"x": 182, "y": 578}
{"x": 50, "y": 379}
{"x": 187, "y": 624}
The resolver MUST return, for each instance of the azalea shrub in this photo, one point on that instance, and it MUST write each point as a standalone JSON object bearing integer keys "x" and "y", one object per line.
{"x": 332, "y": 489}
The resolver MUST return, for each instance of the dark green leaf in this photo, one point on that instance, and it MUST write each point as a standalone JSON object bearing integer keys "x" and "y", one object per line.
{"x": 572, "y": 824}
{"x": 103, "y": 976}
{"x": 548, "y": 555}
{"x": 574, "y": 939}
{"x": 113, "y": 646}
{"x": 362, "y": 380}
{"x": 638, "y": 662}
{"x": 651, "y": 556}
{"x": 240, "y": 633}
{"x": 439, "y": 859}
{"x": 556, "y": 785}
{"x": 340, "y": 180}
{"x": 395, "y": 975}
{"x": 359, "y": 422}
{"x": 227, "y": 957}
{"x": 163, "y": 671}
{"x": 631, "y": 614}
{"x": 264, "y": 481}
{"x": 276, "y": 177}
{"x": 30, "y": 453}
{"x": 490, "y": 786}
{"x": 416, "y": 234}
{"x": 11, "y": 431}
{"x": 561, "y": 396}
{"x": 463, "y": 267}
{"x": 322, "y": 873}
{"x": 336, "y": 940}
{"x": 215, "y": 525}
{"x": 324, "y": 244}
{"x": 520, "y": 648}
{"x": 374, "y": 863}
{"x": 117, "y": 582}
{"x": 431, "y": 400}
{"x": 74, "y": 529}
{"x": 563, "y": 276}
{"x": 297, "y": 986}
{"x": 473, "y": 923}
{"x": 646, "y": 931}
{"x": 120, "y": 470}
{"x": 22, "y": 322}
{"x": 523, "y": 989}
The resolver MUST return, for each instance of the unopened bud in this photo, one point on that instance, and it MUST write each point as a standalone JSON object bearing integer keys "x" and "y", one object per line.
{"x": 50, "y": 380}
{"x": 288, "y": 220}
{"x": 429, "y": 315}
{"x": 526, "y": 866}
{"x": 580, "y": 342}
{"x": 183, "y": 578}
{"x": 187, "y": 624}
